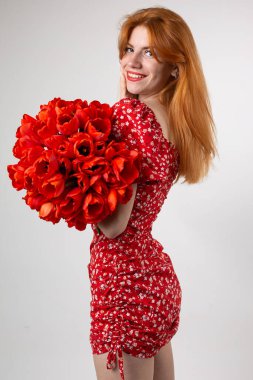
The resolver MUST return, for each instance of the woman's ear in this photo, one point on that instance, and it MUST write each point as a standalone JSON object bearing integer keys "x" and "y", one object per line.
{"x": 174, "y": 72}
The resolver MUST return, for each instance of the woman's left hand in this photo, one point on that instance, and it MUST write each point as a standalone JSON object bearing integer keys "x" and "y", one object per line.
{"x": 124, "y": 93}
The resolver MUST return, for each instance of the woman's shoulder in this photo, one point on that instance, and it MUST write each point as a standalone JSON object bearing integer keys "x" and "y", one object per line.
{"x": 134, "y": 121}
{"x": 133, "y": 116}
{"x": 131, "y": 107}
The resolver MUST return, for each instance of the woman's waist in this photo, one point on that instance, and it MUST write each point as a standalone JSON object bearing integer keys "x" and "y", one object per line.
{"x": 129, "y": 245}
{"x": 130, "y": 234}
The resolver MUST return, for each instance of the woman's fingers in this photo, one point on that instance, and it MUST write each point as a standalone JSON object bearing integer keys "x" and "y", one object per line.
{"x": 124, "y": 93}
{"x": 123, "y": 88}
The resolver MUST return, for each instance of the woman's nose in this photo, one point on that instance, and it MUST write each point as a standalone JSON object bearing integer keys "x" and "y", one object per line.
{"x": 135, "y": 60}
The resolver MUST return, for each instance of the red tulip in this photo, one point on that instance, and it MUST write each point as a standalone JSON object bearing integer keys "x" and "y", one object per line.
{"x": 26, "y": 128}
{"x": 60, "y": 145}
{"x": 82, "y": 145}
{"x": 34, "y": 200}
{"x": 46, "y": 165}
{"x": 47, "y": 126}
{"x": 93, "y": 207}
{"x": 52, "y": 187}
{"x": 31, "y": 181}
{"x": 124, "y": 194}
{"x": 16, "y": 174}
{"x": 99, "y": 147}
{"x": 77, "y": 221}
{"x": 125, "y": 168}
{"x": 65, "y": 166}
{"x": 99, "y": 129}
{"x": 80, "y": 179}
{"x": 94, "y": 166}
{"x": 71, "y": 203}
{"x": 49, "y": 211}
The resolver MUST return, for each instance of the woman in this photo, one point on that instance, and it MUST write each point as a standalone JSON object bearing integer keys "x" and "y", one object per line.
{"x": 164, "y": 112}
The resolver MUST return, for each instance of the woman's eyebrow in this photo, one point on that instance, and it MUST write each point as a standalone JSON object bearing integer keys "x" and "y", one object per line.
{"x": 145, "y": 47}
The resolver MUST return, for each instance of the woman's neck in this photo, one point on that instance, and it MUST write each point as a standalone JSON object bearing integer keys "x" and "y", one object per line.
{"x": 149, "y": 99}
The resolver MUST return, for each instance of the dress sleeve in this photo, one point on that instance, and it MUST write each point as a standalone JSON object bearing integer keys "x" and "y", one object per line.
{"x": 134, "y": 123}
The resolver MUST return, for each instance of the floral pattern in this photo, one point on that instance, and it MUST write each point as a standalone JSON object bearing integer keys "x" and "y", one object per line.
{"x": 135, "y": 292}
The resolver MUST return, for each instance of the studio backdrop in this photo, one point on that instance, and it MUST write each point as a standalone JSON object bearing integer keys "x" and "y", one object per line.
{"x": 68, "y": 49}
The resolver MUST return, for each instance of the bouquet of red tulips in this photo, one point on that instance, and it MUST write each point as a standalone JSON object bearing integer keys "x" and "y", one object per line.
{"x": 70, "y": 165}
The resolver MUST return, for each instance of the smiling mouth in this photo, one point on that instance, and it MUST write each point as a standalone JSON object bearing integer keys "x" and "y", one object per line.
{"x": 134, "y": 76}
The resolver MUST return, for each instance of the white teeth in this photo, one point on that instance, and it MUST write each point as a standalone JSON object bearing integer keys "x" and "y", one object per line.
{"x": 135, "y": 75}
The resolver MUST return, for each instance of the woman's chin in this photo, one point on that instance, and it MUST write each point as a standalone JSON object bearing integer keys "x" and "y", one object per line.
{"x": 132, "y": 91}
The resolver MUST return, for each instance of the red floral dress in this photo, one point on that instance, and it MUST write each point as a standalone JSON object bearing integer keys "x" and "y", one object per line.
{"x": 136, "y": 294}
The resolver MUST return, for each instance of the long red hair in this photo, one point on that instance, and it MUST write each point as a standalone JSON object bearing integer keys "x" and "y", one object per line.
{"x": 185, "y": 97}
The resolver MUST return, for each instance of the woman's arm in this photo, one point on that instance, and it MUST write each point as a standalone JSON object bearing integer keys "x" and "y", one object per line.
{"x": 116, "y": 223}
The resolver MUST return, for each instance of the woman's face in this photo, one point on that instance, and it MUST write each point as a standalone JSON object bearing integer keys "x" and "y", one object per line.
{"x": 144, "y": 75}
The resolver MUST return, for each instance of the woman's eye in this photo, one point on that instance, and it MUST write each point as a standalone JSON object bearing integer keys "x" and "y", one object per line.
{"x": 128, "y": 49}
{"x": 148, "y": 53}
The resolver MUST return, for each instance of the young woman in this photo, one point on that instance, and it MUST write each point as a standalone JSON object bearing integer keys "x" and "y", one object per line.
{"x": 164, "y": 112}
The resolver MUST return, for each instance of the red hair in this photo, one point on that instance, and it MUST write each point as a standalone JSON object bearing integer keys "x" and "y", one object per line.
{"x": 185, "y": 97}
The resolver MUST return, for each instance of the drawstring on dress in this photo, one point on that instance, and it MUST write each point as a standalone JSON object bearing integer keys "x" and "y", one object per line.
{"x": 111, "y": 358}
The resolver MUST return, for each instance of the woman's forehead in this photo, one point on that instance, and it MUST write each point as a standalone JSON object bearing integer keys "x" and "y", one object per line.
{"x": 139, "y": 36}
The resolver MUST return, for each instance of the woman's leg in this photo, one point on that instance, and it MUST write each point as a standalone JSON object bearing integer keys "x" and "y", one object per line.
{"x": 134, "y": 368}
{"x": 164, "y": 364}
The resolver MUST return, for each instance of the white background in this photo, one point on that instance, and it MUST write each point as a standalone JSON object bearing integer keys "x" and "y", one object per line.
{"x": 69, "y": 49}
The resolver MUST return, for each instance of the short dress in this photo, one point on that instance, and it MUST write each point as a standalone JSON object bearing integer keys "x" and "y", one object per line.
{"x": 135, "y": 292}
